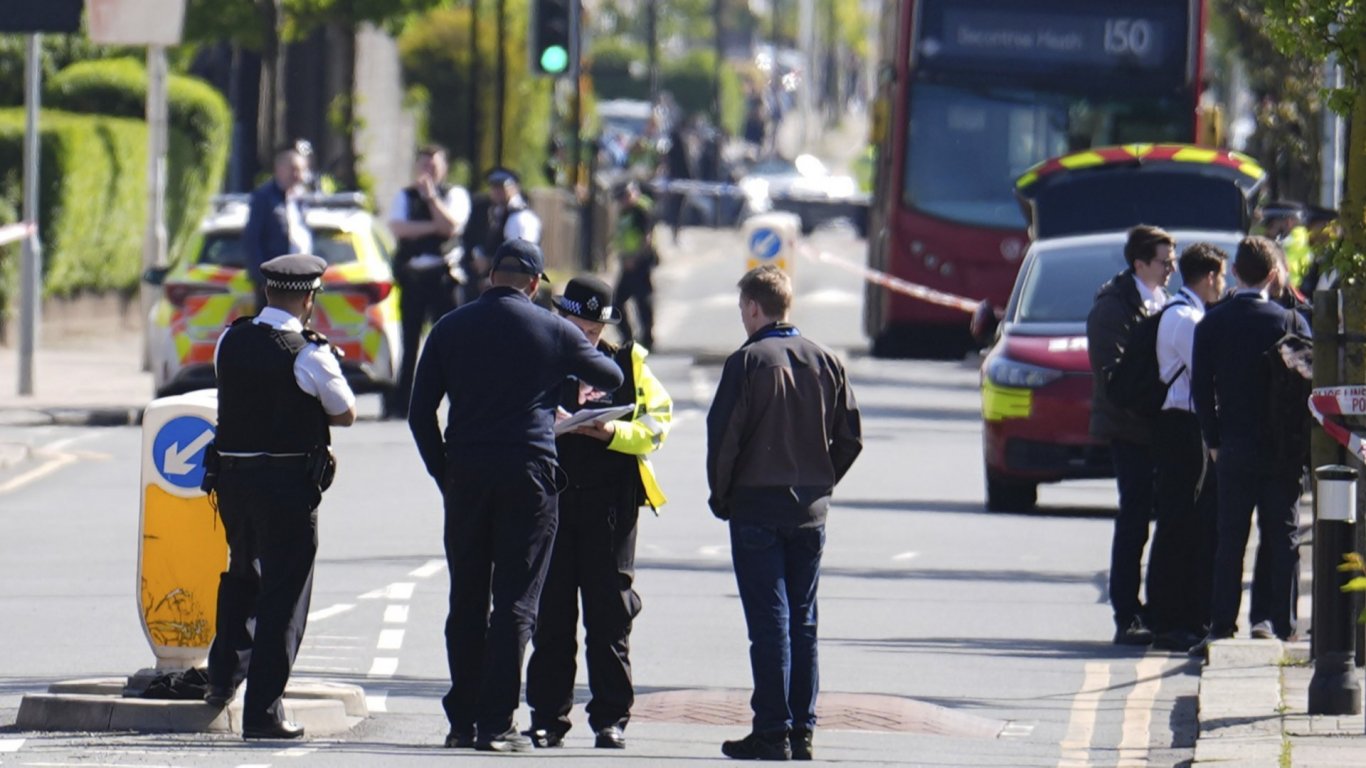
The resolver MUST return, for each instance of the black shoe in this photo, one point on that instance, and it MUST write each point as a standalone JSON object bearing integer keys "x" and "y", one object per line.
{"x": 800, "y": 740}
{"x": 460, "y": 740}
{"x": 507, "y": 741}
{"x": 758, "y": 747}
{"x": 282, "y": 729}
{"x": 1201, "y": 649}
{"x": 1134, "y": 633}
{"x": 544, "y": 738}
{"x": 610, "y": 737}
{"x": 1178, "y": 640}
{"x": 219, "y": 695}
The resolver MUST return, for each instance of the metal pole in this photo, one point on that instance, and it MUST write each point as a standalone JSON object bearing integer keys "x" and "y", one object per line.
{"x": 501, "y": 84}
{"x": 720, "y": 51}
{"x": 1333, "y": 690}
{"x": 652, "y": 42}
{"x": 154, "y": 237}
{"x": 31, "y": 268}
{"x": 1330, "y": 151}
{"x": 473, "y": 149}
{"x": 807, "y": 36}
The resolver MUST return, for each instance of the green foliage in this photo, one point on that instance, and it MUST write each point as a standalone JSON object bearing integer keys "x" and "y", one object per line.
{"x": 435, "y": 52}
{"x": 91, "y": 197}
{"x": 246, "y": 21}
{"x": 691, "y": 79}
{"x": 1354, "y": 563}
{"x": 57, "y": 52}
{"x": 611, "y": 65}
{"x": 201, "y": 131}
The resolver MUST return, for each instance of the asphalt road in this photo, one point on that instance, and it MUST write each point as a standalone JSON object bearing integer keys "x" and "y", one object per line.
{"x": 949, "y": 636}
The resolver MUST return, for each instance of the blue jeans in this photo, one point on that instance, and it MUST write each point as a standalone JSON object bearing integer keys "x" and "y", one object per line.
{"x": 777, "y": 569}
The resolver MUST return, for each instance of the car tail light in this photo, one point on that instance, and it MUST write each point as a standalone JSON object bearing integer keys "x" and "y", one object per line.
{"x": 179, "y": 293}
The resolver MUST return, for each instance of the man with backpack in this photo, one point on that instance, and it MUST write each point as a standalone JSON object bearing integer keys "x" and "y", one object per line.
{"x": 1181, "y": 560}
{"x": 1119, "y": 306}
{"x": 1232, "y": 378}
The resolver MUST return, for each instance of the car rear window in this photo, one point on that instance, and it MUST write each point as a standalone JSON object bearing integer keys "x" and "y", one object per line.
{"x": 224, "y": 249}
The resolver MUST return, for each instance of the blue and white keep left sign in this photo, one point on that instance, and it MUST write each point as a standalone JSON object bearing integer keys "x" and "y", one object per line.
{"x": 765, "y": 243}
{"x": 178, "y": 450}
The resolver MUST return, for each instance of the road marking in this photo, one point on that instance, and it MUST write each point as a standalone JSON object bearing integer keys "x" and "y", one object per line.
{"x": 11, "y": 745}
{"x": 832, "y": 297}
{"x": 715, "y": 550}
{"x": 330, "y": 611}
{"x": 390, "y": 640}
{"x": 383, "y": 666}
{"x": 399, "y": 590}
{"x": 57, "y": 457}
{"x": 296, "y": 751}
{"x": 377, "y": 702}
{"x": 1138, "y": 712}
{"x": 396, "y": 614}
{"x": 904, "y": 556}
{"x": 1014, "y": 730}
{"x": 1081, "y": 728}
{"x": 430, "y": 569}
{"x": 316, "y": 668}
{"x": 254, "y": 765}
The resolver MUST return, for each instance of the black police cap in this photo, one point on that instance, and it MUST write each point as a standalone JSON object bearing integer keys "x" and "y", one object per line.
{"x": 590, "y": 298}
{"x": 518, "y": 255}
{"x": 296, "y": 272}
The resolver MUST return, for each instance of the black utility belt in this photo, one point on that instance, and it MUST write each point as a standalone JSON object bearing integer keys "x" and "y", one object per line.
{"x": 264, "y": 461}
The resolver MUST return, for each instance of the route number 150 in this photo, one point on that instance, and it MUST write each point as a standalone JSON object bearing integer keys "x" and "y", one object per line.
{"x": 1128, "y": 37}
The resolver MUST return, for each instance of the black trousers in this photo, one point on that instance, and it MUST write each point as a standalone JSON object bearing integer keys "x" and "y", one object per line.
{"x": 594, "y": 558}
{"x": 270, "y": 515}
{"x": 424, "y": 296}
{"x": 636, "y": 285}
{"x": 1275, "y": 496}
{"x": 1134, "y": 475}
{"x": 500, "y": 527}
{"x": 1181, "y": 560}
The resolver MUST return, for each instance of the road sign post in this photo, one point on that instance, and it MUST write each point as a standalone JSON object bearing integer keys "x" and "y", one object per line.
{"x": 771, "y": 238}
{"x": 182, "y": 548}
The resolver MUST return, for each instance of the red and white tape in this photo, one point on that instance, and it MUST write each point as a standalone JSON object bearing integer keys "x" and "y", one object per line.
{"x": 893, "y": 283}
{"x": 1340, "y": 401}
{"x": 13, "y": 233}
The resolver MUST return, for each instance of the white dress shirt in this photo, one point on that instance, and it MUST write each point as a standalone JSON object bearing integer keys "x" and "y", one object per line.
{"x": 523, "y": 224}
{"x": 1175, "y": 342}
{"x": 300, "y": 236}
{"x": 316, "y": 369}
{"x": 457, "y": 201}
{"x": 1153, "y": 298}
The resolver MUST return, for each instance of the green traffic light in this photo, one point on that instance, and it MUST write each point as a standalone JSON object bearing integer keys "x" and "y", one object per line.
{"x": 554, "y": 59}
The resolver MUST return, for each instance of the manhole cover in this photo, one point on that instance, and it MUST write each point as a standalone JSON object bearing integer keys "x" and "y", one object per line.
{"x": 835, "y": 711}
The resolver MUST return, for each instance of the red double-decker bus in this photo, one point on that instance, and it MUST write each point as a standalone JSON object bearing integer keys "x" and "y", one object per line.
{"x": 971, "y": 93}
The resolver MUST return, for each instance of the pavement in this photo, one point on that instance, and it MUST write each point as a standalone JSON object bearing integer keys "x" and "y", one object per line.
{"x": 1253, "y": 693}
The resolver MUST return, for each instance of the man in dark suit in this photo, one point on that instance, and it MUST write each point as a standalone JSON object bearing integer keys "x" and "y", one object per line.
{"x": 1229, "y": 384}
{"x": 275, "y": 220}
{"x": 1120, "y": 304}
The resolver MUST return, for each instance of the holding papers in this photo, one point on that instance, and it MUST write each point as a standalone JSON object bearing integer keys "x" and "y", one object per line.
{"x": 568, "y": 423}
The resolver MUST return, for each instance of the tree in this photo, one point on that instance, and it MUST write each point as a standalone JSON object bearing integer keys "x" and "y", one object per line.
{"x": 1318, "y": 29}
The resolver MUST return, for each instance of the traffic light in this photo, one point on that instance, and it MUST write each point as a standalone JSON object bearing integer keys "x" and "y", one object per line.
{"x": 555, "y": 37}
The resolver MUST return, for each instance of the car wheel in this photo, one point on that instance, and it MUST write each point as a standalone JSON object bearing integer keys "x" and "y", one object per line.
{"x": 1005, "y": 495}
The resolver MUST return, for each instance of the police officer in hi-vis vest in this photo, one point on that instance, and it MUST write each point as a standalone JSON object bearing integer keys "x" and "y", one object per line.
{"x": 595, "y": 547}
{"x": 280, "y": 389}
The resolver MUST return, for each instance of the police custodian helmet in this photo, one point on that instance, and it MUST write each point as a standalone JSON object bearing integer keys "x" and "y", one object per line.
{"x": 294, "y": 273}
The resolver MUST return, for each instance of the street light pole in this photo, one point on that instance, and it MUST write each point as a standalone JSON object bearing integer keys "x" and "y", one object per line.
{"x": 31, "y": 268}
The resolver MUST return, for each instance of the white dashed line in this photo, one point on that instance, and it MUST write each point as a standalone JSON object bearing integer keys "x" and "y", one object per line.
{"x": 904, "y": 556}
{"x": 11, "y": 745}
{"x": 432, "y": 568}
{"x": 396, "y": 614}
{"x": 1014, "y": 730}
{"x": 383, "y": 666}
{"x": 390, "y": 640}
{"x": 330, "y": 611}
{"x": 715, "y": 550}
{"x": 296, "y": 752}
{"x": 377, "y": 702}
{"x": 399, "y": 590}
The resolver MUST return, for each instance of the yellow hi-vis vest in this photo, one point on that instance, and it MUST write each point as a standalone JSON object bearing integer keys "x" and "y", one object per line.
{"x": 646, "y": 430}
{"x": 1298, "y": 255}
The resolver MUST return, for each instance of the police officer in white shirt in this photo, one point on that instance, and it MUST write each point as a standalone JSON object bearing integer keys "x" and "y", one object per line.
{"x": 280, "y": 390}
{"x": 1181, "y": 561}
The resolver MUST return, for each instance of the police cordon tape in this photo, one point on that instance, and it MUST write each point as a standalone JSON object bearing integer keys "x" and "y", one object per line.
{"x": 13, "y": 233}
{"x": 893, "y": 283}
{"x": 1340, "y": 401}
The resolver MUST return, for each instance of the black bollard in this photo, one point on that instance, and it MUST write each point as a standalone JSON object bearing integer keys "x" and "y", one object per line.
{"x": 1333, "y": 689}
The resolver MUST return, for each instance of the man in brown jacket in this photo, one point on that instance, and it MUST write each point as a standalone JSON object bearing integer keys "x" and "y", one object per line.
{"x": 782, "y": 430}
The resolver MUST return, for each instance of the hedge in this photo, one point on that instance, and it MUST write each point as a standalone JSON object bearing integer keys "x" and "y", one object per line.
{"x": 690, "y": 78}
{"x": 91, "y": 197}
{"x": 200, "y": 135}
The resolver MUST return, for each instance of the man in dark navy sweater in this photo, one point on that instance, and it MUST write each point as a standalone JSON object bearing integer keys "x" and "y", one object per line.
{"x": 1230, "y": 386}
{"x": 501, "y": 362}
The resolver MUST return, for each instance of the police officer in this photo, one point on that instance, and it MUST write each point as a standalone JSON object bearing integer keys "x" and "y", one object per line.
{"x": 423, "y": 217}
{"x": 634, "y": 242}
{"x": 509, "y": 218}
{"x": 500, "y": 362}
{"x": 280, "y": 389}
{"x": 595, "y": 546}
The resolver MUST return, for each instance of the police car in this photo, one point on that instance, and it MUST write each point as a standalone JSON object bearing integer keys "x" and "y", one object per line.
{"x": 357, "y": 308}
